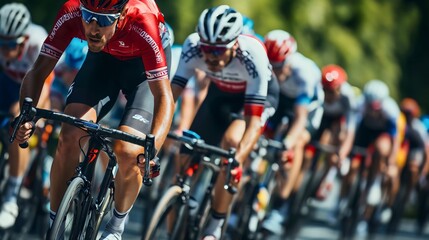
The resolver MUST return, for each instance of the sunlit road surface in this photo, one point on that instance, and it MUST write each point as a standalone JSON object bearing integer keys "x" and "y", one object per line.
{"x": 316, "y": 228}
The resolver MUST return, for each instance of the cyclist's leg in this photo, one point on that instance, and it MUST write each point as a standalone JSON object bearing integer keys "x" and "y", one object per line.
{"x": 332, "y": 138}
{"x": 137, "y": 119}
{"x": 17, "y": 158}
{"x": 229, "y": 133}
{"x": 89, "y": 101}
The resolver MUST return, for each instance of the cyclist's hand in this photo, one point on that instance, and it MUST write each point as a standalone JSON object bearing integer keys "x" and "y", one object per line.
{"x": 155, "y": 166}
{"x": 24, "y": 131}
{"x": 237, "y": 173}
{"x": 287, "y": 156}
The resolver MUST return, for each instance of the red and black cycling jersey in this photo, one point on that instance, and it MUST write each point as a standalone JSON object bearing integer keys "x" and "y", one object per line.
{"x": 137, "y": 35}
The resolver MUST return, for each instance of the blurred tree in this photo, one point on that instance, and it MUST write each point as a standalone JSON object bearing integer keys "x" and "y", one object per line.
{"x": 383, "y": 39}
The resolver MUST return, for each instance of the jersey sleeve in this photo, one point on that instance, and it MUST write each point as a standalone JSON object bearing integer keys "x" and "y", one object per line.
{"x": 259, "y": 74}
{"x": 308, "y": 77}
{"x": 186, "y": 66}
{"x": 147, "y": 34}
{"x": 66, "y": 26}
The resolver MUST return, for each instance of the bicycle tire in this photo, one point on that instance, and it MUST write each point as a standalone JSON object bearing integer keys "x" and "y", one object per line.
{"x": 165, "y": 205}
{"x": 244, "y": 209}
{"x": 350, "y": 220}
{"x": 101, "y": 213}
{"x": 67, "y": 206}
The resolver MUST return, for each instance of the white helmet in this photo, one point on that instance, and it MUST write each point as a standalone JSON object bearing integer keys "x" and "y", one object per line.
{"x": 221, "y": 24}
{"x": 14, "y": 20}
{"x": 375, "y": 91}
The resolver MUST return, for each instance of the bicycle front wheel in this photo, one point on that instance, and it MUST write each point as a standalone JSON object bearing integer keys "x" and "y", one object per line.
{"x": 66, "y": 222}
{"x": 100, "y": 213}
{"x": 158, "y": 228}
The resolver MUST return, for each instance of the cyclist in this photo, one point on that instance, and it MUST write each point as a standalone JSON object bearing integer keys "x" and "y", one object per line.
{"x": 66, "y": 71}
{"x": 300, "y": 106}
{"x": 377, "y": 119}
{"x": 338, "y": 121}
{"x": 20, "y": 42}
{"x": 126, "y": 41}
{"x": 415, "y": 140}
{"x": 238, "y": 68}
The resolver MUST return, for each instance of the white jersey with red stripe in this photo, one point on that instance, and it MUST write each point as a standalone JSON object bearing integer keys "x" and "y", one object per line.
{"x": 249, "y": 71}
{"x": 16, "y": 69}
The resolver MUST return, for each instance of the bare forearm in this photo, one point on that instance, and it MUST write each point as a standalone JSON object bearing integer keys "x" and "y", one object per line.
{"x": 163, "y": 110}
{"x": 31, "y": 88}
{"x": 33, "y": 81}
{"x": 250, "y": 137}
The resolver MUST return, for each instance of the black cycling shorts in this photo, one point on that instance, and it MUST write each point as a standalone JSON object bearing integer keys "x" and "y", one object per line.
{"x": 99, "y": 81}
{"x": 216, "y": 114}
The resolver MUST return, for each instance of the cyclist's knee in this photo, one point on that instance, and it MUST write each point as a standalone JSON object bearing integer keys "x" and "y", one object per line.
{"x": 383, "y": 145}
{"x": 67, "y": 140}
{"x": 126, "y": 155}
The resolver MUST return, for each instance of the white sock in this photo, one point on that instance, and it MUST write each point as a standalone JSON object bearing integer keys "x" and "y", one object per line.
{"x": 116, "y": 224}
{"x": 214, "y": 226}
{"x": 332, "y": 173}
{"x": 12, "y": 189}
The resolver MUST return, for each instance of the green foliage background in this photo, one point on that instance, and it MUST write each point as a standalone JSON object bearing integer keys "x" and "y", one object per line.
{"x": 382, "y": 39}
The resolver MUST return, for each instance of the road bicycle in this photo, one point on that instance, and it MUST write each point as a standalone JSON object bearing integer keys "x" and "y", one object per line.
{"x": 257, "y": 186}
{"x": 190, "y": 210}
{"x": 81, "y": 212}
{"x": 313, "y": 179}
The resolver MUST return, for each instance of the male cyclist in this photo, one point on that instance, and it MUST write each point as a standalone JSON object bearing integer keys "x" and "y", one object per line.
{"x": 238, "y": 68}
{"x": 297, "y": 117}
{"x": 20, "y": 43}
{"x": 338, "y": 122}
{"x": 414, "y": 145}
{"x": 126, "y": 41}
{"x": 377, "y": 115}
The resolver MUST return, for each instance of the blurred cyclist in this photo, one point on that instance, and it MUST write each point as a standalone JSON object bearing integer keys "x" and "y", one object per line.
{"x": 297, "y": 117}
{"x": 20, "y": 43}
{"x": 338, "y": 122}
{"x": 377, "y": 120}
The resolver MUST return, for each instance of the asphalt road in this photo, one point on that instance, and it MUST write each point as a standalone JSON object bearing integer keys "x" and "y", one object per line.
{"x": 317, "y": 228}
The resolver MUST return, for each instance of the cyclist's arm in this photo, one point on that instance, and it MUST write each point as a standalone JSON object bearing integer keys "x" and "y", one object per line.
{"x": 34, "y": 80}
{"x": 187, "y": 110}
{"x": 250, "y": 137}
{"x": 163, "y": 110}
{"x": 297, "y": 126}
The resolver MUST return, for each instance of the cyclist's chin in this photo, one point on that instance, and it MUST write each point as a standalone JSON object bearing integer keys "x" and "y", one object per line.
{"x": 215, "y": 68}
{"x": 96, "y": 46}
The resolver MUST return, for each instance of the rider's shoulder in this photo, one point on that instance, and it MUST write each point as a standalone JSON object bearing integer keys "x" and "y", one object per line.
{"x": 191, "y": 41}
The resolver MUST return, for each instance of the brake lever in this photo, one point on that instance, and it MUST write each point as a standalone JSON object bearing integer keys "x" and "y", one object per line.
{"x": 27, "y": 114}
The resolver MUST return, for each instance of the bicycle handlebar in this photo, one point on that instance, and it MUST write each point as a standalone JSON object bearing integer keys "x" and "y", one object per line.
{"x": 29, "y": 113}
{"x": 200, "y": 146}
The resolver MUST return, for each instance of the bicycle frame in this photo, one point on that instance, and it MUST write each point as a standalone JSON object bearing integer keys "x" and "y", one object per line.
{"x": 85, "y": 170}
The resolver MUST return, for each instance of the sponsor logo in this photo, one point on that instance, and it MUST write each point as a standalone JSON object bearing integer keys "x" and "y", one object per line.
{"x": 140, "y": 118}
{"x": 64, "y": 18}
{"x": 150, "y": 41}
{"x": 155, "y": 74}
